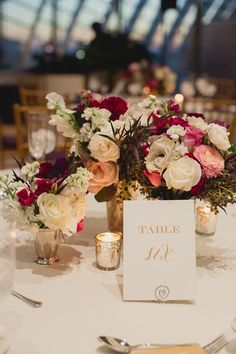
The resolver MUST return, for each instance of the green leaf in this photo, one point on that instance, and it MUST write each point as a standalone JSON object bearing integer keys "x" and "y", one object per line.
{"x": 232, "y": 148}
{"x": 106, "y": 194}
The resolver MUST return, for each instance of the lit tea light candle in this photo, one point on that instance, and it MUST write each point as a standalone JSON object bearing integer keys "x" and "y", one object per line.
{"x": 108, "y": 247}
{"x": 205, "y": 220}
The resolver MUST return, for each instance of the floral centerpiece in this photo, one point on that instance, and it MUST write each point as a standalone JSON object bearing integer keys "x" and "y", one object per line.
{"x": 46, "y": 197}
{"x": 144, "y": 78}
{"x": 170, "y": 154}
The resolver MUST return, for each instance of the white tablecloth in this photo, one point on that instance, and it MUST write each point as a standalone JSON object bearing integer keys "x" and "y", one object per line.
{"x": 81, "y": 302}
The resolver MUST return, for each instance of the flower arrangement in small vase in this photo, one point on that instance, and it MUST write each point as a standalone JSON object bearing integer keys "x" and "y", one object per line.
{"x": 170, "y": 154}
{"x": 144, "y": 78}
{"x": 46, "y": 199}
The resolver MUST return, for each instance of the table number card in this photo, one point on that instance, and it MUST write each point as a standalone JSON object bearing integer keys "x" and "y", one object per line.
{"x": 159, "y": 250}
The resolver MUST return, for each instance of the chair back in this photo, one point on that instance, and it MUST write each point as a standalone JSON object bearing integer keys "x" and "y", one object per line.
{"x": 32, "y": 97}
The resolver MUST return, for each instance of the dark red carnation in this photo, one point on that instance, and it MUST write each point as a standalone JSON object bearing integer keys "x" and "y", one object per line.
{"x": 220, "y": 122}
{"x": 45, "y": 169}
{"x": 160, "y": 124}
{"x": 26, "y": 197}
{"x": 116, "y": 105}
{"x": 43, "y": 185}
{"x": 177, "y": 121}
{"x": 196, "y": 190}
{"x": 49, "y": 171}
{"x": 174, "y": 107}
{"x": 196, "y": 115}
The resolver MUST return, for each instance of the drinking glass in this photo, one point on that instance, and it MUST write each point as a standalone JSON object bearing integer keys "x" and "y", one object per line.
{"x": 41, "y": 136}
{"x": 7, "y": 269}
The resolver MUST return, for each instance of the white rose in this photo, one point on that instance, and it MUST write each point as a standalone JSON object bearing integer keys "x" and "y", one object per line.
{"x": 55, "y": 211}
{"x": 103, "y": 149}
{"x": 175, "y": 131}
{"x": 182, "y": 174}
{"x": 63, "y": 125}
{"x": 218, "y": 136}
{"x": 197, "y": 123}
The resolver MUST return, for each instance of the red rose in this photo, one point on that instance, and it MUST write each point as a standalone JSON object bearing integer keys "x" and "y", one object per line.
{"x": 26, "y": 197}
{"x": 43, "y": 185}
{"x": 116, "y": 105}
{"x": 80, "y": 226}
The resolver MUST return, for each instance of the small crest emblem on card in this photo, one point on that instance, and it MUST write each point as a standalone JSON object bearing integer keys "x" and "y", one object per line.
{"x": 162, "y": 293}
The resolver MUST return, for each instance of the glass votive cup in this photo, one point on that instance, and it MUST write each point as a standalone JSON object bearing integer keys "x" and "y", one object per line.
{"x": 108, "y": 249}
{"x": 205, "y": 220}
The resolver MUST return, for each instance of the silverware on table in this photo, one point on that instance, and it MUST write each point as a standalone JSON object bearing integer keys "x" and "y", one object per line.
{"x": 122, "y": 346}
{"x": 220, "y": 342}
{"x": 29, "y": 301}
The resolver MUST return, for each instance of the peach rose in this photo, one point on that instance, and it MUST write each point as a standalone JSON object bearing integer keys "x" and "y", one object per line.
{"x": 104, "y": 174}
{"x": 211, "y": 160}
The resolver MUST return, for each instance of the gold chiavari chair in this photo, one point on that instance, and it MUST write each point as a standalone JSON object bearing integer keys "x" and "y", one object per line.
{"x": 213, "y": 109}
{"x": 35, "y": 97}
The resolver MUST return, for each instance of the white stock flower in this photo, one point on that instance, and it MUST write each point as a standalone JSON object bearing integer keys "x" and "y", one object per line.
{"x": 29, "y": 170}
{"x": 151, "y": 103}
{"x": 13, "y": 212}
{"x": 103, "y": 149}
{"x": 159, "y": 155}
{"x": 55, "y": 211}
{"x": 85, "y": 133}
{"x": 218, "y": 136}
{"x": 78, "y": 182}
{"x": 179, "y": 150}
{"x": 175, "y": 131}
{"x": 197, "y": 123}
{"x": 182, "y": 174}
{"x": 98, "y": 116}
{"x": 63, "y": 125}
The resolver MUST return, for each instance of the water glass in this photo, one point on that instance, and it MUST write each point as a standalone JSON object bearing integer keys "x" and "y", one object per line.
{"x": 41, "y": 136}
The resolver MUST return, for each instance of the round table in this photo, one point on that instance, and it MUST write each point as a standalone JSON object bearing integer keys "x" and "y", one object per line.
{"x": 81, "y": 302}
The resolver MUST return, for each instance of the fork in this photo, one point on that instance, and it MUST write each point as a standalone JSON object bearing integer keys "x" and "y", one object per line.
{"x": 220, "y": 342}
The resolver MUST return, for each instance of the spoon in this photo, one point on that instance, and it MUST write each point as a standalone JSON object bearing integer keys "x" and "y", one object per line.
{"x": 29, "y": 301}
{"x": 122, "y": 346}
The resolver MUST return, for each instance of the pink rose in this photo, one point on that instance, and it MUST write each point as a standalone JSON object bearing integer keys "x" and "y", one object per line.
{"x": 104, "y": 174}
{"x": 193, "y": 136}
{"x": 211, "y": 160}
{"x": 154, "y": 177}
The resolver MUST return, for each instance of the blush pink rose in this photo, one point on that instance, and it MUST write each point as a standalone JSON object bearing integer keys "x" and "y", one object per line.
{"x": 154, "y": 177}
{"x": 211, "y": 160}
{"x": 104, "y": 174}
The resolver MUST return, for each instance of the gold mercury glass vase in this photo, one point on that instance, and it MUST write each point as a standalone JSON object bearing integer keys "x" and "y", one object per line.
{"x": 125, "y": 191}
{"x": 46, "y": 246}
{"x": 115, "y": 215}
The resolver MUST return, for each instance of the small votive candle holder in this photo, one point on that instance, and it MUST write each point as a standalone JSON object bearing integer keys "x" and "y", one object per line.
{"x": 205, "y": 220}
{"x": 108, "y": 249}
